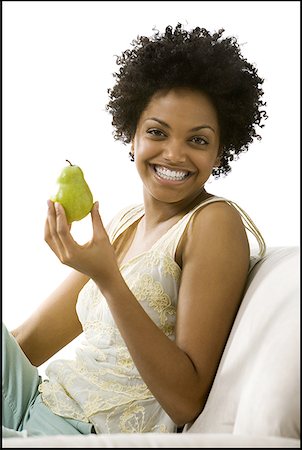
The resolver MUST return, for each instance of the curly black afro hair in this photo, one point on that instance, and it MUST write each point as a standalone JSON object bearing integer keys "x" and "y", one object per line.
{"x": 199, "y": 60}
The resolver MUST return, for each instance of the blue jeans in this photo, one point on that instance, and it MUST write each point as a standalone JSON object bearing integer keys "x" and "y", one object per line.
{"x": 22, "y": 407}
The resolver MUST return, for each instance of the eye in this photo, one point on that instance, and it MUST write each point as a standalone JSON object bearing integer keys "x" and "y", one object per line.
{"x": 155, "y": 132}
{"x": 199, "y": 140}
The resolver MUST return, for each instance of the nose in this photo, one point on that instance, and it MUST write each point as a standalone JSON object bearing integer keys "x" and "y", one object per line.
{"x": 174, "y": 152}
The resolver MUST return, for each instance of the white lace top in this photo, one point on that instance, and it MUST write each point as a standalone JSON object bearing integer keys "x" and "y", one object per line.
{"x": 101, "y": 385}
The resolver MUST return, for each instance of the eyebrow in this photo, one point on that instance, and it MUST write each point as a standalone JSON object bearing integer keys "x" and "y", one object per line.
{"x": 199, "y": 127}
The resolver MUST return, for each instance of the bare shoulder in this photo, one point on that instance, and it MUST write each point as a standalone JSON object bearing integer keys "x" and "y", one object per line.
{"x": 216, "y": 246}
{"x": 217, "y": 214}
{"x": 215, "y": 227}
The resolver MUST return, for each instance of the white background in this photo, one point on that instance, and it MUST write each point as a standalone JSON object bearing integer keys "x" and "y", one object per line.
{"x": 58, "y": 60}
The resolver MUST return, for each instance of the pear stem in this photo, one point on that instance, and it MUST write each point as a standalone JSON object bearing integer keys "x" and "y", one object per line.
{"x": 69, "y": 162}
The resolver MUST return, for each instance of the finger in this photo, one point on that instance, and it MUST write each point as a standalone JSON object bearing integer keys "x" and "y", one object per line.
{"x": 97, "y": 224}
{"x": 63, "y": 228}
{"x": 50, "y": 231}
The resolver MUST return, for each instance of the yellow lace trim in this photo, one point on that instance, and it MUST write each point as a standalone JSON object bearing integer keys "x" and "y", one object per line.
{"x": 168, "y": 265}
{"x": 133, "y": 421}
{"x": 151, "y": 291}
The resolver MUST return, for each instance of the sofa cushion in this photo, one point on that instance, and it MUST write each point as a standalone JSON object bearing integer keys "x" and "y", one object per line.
{"x": 151, "y": 440}
{"x": 256, "y": 388}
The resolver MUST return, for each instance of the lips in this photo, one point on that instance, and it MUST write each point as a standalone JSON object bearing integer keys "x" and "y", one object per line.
{"x": 166, "y": 173}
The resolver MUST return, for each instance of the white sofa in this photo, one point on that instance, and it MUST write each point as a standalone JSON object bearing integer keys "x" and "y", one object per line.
{"x": 255, "y": 398}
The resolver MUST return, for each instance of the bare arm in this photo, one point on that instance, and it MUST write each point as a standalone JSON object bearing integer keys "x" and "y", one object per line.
{"x": 54, "y": 324}
{"x": 215, "y": 266}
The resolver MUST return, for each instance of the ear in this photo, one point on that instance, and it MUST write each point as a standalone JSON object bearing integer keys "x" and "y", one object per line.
{"x": 132, "y": 146}
{"x": 131, "y": 153}
{"x": 218, "y": 158}
{"x": 217, "y": 162}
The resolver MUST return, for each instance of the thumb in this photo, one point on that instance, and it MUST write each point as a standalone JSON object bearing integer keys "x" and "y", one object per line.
{"x": 97, "y": 223}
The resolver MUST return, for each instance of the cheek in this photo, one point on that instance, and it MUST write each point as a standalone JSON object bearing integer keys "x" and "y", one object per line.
{"x": 144, "y": 149}
{"x": 204, "y": 160}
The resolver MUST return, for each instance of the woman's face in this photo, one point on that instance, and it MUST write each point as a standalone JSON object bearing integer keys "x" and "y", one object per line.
{"x": 176, "y": 145}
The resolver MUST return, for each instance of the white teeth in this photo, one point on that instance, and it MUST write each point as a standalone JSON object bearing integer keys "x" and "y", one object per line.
{"x": 168, "y": 174}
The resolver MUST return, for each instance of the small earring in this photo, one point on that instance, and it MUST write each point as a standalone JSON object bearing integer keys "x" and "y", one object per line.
{"x": 131, "y": 156}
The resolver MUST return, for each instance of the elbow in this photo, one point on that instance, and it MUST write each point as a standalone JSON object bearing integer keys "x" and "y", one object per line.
{"x": 26, "y": 349}
{"x": 187, "y": 411}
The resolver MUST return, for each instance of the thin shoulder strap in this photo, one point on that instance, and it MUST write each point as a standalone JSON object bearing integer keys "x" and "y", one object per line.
{"x": 170, "y": 240}
{"x": 123, "y": 220}
{"x": 250, "y": 225}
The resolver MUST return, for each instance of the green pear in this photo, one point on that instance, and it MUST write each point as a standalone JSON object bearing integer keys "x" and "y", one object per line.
{"x": 73, "y": 193}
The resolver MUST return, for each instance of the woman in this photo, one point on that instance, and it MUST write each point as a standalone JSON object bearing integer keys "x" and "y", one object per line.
{"x": 156, "y": 293}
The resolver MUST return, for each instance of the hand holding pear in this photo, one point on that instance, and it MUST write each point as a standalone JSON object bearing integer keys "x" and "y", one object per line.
{"x": 74, "y": 193}
{"x": 96, "y": 258}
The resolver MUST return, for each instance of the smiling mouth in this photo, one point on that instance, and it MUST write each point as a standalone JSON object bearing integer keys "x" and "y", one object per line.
{"x": 172, "y": 175}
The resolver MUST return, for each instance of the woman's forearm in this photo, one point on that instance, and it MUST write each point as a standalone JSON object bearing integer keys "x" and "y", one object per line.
{"x": 54, "y": 324}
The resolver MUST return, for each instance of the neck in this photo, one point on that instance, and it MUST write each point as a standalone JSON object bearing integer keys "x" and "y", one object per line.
{"x": 157, "y": 212}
